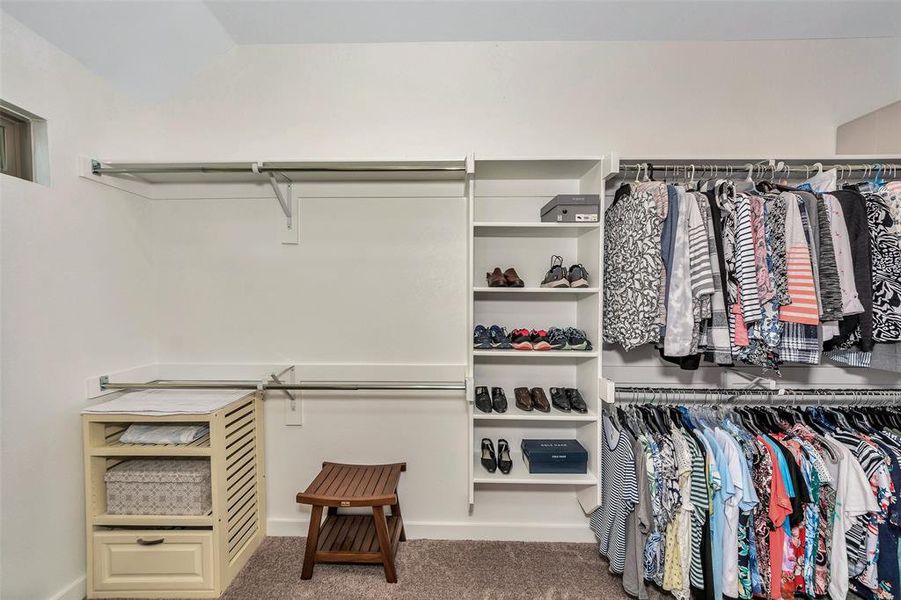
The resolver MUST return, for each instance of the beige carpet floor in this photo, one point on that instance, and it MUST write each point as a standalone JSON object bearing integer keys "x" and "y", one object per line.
{"x": 434, "y": 570}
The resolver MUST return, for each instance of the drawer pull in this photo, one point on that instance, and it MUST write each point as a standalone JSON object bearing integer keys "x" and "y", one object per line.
{"x": 143, "y": 542}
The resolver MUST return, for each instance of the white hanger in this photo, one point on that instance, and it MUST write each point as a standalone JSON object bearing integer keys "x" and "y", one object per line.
{"x": 645, "y": 178}
{"x": 750, "y": 178}
{"x": 691, "y": 181}
{"x": 637, "y": 172}
{"x": 819, "y": 167}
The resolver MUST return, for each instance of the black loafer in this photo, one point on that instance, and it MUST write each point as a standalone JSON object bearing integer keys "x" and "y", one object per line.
{"x": 498, "y": 399}
{"x": 504, "y": 462}
{"x": 560, "y": 400}
{"x": 576, "y": 401}
{"x": 483, "y": 400}
{"x": 489, "y": 458}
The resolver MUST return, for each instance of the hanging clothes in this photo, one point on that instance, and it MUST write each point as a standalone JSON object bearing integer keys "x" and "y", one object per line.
{"x": 634, "y": 276}
{"x": 737, "y": 275}
{"x": 752, "y": 503}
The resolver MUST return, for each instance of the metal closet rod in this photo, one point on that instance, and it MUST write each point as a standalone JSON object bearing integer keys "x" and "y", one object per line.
{"x": 303, "y": 385}
{"x": 799, "y": 169}
{"x": 97, "y": 168}
{"x": 775, "y": 397}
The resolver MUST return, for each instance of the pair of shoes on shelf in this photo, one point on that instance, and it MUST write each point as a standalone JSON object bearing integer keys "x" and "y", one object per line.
{"x": 531, "y": 399}
{"x": 568, "y": 400}
{"x": 536, "y": 339}
{"x": 508, "y": 278}
{"x": 558, "y": 276}
{"x": 490, "y": 338}
{"x": 497, "y": 401}
{"x": 492, "y": 460}
{"x": 568, "y": 338}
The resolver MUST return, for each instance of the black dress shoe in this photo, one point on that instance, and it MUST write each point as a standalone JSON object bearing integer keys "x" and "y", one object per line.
{"x": 576, "y": 401}
{"x": 489, "y": 458}
{"x": 504, "y": 462}
{"x": 483, "y": 400}
{"x": 560, "y": 400}
{"x": 498, "y": 399}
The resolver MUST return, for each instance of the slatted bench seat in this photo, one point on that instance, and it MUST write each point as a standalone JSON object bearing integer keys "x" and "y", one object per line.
{"x": 354, "y": 538}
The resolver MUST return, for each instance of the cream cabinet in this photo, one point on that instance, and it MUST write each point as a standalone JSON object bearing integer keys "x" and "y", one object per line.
{"x": 177, "y": 556}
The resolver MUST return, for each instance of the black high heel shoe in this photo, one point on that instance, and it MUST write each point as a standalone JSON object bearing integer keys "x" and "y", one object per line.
{"x": 489, "y": 458}
{"x": 504, "y": 462}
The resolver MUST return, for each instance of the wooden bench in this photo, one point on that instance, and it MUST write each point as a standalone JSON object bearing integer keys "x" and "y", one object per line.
{"x": 344, "y": 538}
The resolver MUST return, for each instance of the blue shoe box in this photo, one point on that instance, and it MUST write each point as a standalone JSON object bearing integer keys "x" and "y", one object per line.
{"x": 554, "y": 456}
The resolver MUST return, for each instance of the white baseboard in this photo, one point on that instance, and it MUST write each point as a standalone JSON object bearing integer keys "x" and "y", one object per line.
{"x": 74, "y": 591}
{"x": 449, "y": 530}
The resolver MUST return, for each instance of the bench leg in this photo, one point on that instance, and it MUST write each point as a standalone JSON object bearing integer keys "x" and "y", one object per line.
{"x": 309, "y": 555}
{"x": 395, "y": 512}
{"x": 381, "y": 529}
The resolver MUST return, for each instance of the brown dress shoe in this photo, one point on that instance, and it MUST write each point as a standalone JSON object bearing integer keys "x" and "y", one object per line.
{"x": 540, "y": 401}
{"x": 496, "y": 278}
{"x": 523, "y": 398}
{"x": 512, "y": 279}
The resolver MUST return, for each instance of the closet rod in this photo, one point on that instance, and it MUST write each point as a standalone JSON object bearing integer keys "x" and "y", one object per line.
{"x": 303, "y": 385}
{"x": 98, "y": 169}
{"x": 799, "y": 169}
{"x": 775, "y": 397}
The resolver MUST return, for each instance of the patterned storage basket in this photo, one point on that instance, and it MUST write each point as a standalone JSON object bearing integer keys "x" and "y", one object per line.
{"x": 159, "y": 487}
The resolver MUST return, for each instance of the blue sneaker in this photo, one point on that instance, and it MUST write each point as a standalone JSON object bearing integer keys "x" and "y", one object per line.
{"x": 557, "y": 338}
{"x": 576, "y": 339}
{"x": 481, "y": 340}
{"x": 500, "y": 339}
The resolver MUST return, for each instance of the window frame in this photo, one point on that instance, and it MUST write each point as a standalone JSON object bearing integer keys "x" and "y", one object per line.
{"x": 17, "y": 153}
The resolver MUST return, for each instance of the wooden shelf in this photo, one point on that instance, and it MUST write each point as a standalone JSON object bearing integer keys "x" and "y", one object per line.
{"x": 534, "y": 416}
{"x": 144, "y": 450}
{"x": 521, "y": 476}
{"x": 526, "y": 292}
{"x": 342, "y": 535}
{"x": 154, "y": 520}
{"x": 527, "y": 229}
{"x": 111, "y": 446}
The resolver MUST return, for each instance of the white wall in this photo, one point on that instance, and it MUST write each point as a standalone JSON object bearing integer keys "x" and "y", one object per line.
{"x": 687, "y": 99}
{"x": 76, "y": 301}
{"x": 358, "y": 288}
{"x": 877, "y": 132}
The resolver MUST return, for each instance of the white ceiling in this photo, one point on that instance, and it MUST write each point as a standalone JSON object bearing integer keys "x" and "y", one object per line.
{"x": 150, "y": 47}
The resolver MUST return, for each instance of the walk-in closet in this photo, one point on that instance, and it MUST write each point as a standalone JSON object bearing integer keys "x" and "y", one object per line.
{"x": 426, "y": 300}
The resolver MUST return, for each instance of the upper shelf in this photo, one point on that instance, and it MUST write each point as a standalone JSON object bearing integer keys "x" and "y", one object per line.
{"x": 536, "y": 168}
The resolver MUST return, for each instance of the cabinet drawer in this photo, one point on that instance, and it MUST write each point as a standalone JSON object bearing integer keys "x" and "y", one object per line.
{"x": 153, "y": 560}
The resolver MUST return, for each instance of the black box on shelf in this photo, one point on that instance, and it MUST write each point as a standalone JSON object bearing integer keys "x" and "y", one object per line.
{"x": 572, "y": 208}
{"x": 554, "y": 456}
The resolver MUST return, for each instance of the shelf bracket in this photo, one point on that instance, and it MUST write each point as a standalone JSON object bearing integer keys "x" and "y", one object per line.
{"x": 285, "y": 202}
{"x": 290, "y": 230}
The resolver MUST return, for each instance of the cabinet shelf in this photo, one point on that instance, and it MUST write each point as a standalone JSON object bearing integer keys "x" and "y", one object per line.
{"x": 109, "y": 520}
{"x": 521, "y": 476}
{"x": 537, "y": 354}
{"x": 514, "y": 414}
{"x": 526, "y": 292}
{"x": 526, "y": 229}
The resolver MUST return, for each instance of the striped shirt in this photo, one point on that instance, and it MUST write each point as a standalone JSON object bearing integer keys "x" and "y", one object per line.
{"x": 745, "y": 269}
{"x": 699, "y": 503}
{"x": 698, "y": 250}
{"x": 803, "y": 308}
{"x": 620, "y": 495}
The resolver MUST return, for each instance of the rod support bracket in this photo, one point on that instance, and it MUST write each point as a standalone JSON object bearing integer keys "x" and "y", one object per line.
{"x": 289, "y": 205}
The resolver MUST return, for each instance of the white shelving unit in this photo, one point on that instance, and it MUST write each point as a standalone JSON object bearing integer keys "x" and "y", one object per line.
{"x": 505, "y": 197}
